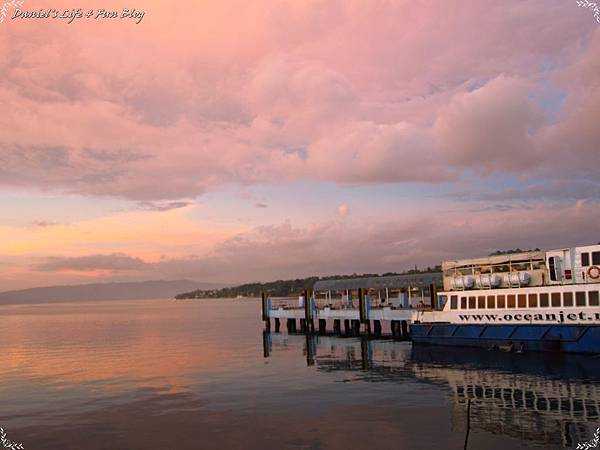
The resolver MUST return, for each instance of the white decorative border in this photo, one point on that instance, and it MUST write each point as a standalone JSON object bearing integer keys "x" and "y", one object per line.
{"x": 590, "y": 444}
{"x": 590, "y": 5}
{"x": 8, "y": 444}
{"x": 7, "y": 3}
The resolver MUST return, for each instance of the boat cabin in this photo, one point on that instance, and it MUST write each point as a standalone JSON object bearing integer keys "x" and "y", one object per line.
{"x": 575, "y": 265}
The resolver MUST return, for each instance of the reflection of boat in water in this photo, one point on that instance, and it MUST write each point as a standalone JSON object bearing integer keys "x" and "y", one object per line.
{"x": 550, "y": 400}
{"x": 538, "y": 399}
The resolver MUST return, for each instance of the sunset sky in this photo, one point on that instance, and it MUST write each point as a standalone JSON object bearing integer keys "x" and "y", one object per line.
{"x": 232, "y": 141}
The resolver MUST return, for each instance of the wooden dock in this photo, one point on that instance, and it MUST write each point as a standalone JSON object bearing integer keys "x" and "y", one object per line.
{"x": 374, "y": 307}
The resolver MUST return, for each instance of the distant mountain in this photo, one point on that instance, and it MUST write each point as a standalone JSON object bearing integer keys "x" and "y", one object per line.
{"x": 104, "y": 291}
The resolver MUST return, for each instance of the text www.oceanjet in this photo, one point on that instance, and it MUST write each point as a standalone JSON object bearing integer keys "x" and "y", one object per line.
{"x": 560, "y": 317}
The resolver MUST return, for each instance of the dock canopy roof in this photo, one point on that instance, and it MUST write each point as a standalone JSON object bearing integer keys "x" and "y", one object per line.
{"x": 495, "y": 260}
{"x": 390, "y": 282}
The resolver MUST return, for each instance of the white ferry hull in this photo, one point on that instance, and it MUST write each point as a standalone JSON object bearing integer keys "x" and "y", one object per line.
{"x": 517, "y": 338}
{"x": 561, "y": 319}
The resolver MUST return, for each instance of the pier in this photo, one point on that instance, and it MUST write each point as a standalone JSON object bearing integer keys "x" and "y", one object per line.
{"x": 372, "y": 306}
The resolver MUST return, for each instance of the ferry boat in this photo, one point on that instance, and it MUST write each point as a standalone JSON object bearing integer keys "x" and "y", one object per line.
{"x": 529, "y": 301}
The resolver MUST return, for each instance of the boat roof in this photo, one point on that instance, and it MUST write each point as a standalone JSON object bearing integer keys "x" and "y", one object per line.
{"x": 495, "y": 260}
{"x": 390, "y": 282}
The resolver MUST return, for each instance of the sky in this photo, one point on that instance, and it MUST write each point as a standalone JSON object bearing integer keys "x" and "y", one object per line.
{"x": 232, "y": 141}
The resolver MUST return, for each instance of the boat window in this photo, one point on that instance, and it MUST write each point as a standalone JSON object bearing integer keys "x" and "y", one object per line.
{"x": 463, "y": 303}
{"x": 501, "y": 303}
{"x": 580, "y": 298}
{"x": 596, "y": 258}
{"x": 533, "y": 300}
{"x": 491, "y": 303}
{"x": 511, "y": 301}
{"x": 555, "y": 299}
{"x": 567, "y": 299}
{"x": 544, "y": 300}
{"x": 522, "y": 301}
{"x": 471, "y": 302}
{"x": 593, "y": 298}
{"x": 481, "y": 302}
{"x": 585, "y": 259}
{"x": 453, "y": 302}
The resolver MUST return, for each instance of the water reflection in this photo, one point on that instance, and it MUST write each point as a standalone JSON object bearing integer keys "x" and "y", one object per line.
{"x": 196, "y": 375}
{"x": 542, "y": 399}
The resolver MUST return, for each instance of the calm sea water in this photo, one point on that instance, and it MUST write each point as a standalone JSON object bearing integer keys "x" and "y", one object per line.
{"x": 160, "y": 374}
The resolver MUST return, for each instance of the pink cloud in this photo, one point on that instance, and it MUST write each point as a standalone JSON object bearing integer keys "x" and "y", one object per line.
{"x": 491, "y": 128}
{"x": 202, "y": 96}
{"x": 342, "y": 92}
{"x": 115, "y": 262}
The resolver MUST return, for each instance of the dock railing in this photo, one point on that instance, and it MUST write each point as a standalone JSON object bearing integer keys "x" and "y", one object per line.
{"x": 286, "y": 303}
{"x": 341, "y": 303}
{"x": 320, "y": 303}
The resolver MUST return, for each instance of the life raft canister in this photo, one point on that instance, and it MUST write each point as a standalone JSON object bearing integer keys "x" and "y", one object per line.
{"x": 594, "y": 272}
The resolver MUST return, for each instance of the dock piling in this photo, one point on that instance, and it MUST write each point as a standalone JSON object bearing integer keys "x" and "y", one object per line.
{"x": 266, "y": 344}
{"x": 377, "y": 328}
{"x": 433, "y": 296}
{"x": 291, "y": 325}
{"x": 308, "y": 312}
{"x": 404, "y": 329}
{"x": 337, "y": 326}
{"x": 355, "y": 327}
{"x": 311, "y": 350}
{"x": 347, "y": 327}
{"x": 265, "y": 311}
{"x": 365, "y": 353}
{"x": 362, "y": 307}
{"x": 322, "y": 326}
{"x": 395, "y": 329}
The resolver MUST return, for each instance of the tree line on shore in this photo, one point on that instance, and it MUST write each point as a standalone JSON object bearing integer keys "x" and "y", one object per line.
{"x": 285, "y": 288}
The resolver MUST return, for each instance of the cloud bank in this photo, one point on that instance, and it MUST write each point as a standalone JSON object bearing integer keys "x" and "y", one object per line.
{"x": 296, "y": 91}
{"x": 493, "y": 106}
{"x": 334, "y": 247}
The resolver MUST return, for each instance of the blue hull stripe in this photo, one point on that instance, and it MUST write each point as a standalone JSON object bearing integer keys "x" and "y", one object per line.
{"x": 554, "y": 338}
